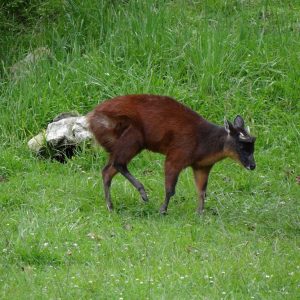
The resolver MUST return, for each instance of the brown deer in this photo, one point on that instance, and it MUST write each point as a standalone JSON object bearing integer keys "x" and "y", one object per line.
{"x": 126, "y": 125}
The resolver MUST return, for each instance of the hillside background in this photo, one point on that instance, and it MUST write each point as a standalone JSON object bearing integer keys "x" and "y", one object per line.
{"x": 221, "y": 58}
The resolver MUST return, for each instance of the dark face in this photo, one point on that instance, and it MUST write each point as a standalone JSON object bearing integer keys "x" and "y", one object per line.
{"x": 241, "y": 143}
{"x": 245, "y": 151}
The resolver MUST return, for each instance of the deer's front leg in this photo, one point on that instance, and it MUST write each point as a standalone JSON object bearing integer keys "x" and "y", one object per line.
{"x": 201, "y": 178}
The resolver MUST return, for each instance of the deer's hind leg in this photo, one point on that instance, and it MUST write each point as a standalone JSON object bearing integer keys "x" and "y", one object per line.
{"x": 108, "y": 172}
{"x": 129, "y": 144}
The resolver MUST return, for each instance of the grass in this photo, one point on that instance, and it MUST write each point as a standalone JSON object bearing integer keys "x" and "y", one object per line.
{"x": 220, "y": 58}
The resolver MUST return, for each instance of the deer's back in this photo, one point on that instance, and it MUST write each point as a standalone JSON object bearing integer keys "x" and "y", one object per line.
{"x": 164, "y": 123}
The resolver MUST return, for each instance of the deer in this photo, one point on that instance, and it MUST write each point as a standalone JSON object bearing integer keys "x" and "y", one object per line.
{"x": 126, "y": 125}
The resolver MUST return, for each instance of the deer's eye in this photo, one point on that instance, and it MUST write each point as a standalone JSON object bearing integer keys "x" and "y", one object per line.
{"x": 247, "y": 147}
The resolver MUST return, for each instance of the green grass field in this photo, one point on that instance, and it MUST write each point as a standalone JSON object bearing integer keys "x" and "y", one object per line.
{"x": 221, "y": 58}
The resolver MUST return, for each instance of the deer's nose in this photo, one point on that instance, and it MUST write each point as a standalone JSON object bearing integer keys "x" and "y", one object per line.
{"x": 252, "y": 166}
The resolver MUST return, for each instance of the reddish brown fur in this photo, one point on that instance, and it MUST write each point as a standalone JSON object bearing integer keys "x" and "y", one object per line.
{"x": 126, "y": 125}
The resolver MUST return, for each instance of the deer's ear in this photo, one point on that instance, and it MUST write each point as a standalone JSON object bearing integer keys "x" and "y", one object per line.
{"x": 239, "y": 122}
{"x": 228, "y": 126}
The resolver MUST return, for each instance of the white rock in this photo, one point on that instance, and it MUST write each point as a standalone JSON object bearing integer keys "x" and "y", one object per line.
{"x": 68, "y": 131}
{"x": 61, "y": 136}
{"x": 60, "y": 133}
{"x": 80, "y": 130}
{"x": 37, "y": 143}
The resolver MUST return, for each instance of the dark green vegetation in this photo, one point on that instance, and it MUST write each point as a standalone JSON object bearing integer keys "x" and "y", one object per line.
{"x": 220, "y": 58}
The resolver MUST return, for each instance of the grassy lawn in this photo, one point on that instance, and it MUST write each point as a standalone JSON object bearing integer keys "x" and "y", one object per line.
{"x": 221, "y": 58}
